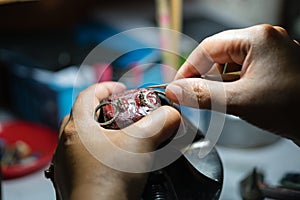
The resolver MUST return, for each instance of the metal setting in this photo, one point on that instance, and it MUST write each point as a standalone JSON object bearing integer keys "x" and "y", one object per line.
{"x": 98, "y": 108}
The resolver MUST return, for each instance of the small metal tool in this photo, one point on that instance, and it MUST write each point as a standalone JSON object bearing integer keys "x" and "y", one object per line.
{"x": 162, "y": 86}
{"x": 226, "y": 77}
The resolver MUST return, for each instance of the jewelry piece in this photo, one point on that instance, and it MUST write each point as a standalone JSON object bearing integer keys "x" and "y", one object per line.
{"x": 115, "y": 115}
{"x": 120, "y": 110}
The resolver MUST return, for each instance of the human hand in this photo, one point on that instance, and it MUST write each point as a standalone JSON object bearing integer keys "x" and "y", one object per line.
{"x": 88, "y": 156}
{"x": 268, "y": 92}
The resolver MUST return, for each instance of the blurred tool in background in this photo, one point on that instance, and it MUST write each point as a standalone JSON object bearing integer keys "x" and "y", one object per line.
{"x": 169, "y": 16}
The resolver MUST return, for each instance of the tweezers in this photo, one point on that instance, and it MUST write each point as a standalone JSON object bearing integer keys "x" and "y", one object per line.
{"x": 162, "y": 86}
{"x": 226, "y": 77}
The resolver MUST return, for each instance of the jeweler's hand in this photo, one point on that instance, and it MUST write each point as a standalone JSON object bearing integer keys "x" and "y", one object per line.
{"x": 268, "y": 92}
{"x": 88, "y": 157}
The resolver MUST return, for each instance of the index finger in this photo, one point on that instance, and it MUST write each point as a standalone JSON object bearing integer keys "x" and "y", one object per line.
{"x": 229, "y": 46}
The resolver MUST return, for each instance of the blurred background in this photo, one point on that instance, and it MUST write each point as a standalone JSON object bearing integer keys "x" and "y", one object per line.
{"x": 44, "y": 42}
{"x": 55, "y": 35}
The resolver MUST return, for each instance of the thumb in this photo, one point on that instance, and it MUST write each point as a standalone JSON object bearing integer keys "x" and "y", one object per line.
{"x": 200, "y": 93}
{"x": 155, "y": 128}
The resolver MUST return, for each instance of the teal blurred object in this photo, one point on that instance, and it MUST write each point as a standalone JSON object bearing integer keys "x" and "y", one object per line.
{"x": 33, "y": 97}
{"x": 41, "y": 102}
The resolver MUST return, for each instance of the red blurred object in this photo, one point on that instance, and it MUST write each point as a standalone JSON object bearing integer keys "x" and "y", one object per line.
{"x": 41, "y": 140}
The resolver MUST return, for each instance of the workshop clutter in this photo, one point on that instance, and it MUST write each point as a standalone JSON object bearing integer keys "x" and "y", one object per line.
{"x": 44, "y": 96}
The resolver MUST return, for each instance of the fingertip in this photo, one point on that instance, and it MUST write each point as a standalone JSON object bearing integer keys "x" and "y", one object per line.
{"x": 174, "y": 92}
{"x": 179, "y": 74}
{"x": 183, "y": 92}
{"x": 195, "y": 92}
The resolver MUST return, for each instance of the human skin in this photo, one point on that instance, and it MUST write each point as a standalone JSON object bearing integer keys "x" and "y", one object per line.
{"x": 78, "y": 174}
{"x": 268, "y": 91}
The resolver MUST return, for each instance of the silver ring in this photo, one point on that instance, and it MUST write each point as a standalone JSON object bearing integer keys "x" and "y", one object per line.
{"x": 112, "y": 119}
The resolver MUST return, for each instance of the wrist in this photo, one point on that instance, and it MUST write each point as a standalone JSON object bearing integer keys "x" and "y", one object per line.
{"x": 101, "y": 185}
{"x": 124, "y": 186}
{"x": 92, "y": 192}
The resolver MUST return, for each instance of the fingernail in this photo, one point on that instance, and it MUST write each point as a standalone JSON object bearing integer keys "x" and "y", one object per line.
{"x": 176, "y": 91}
